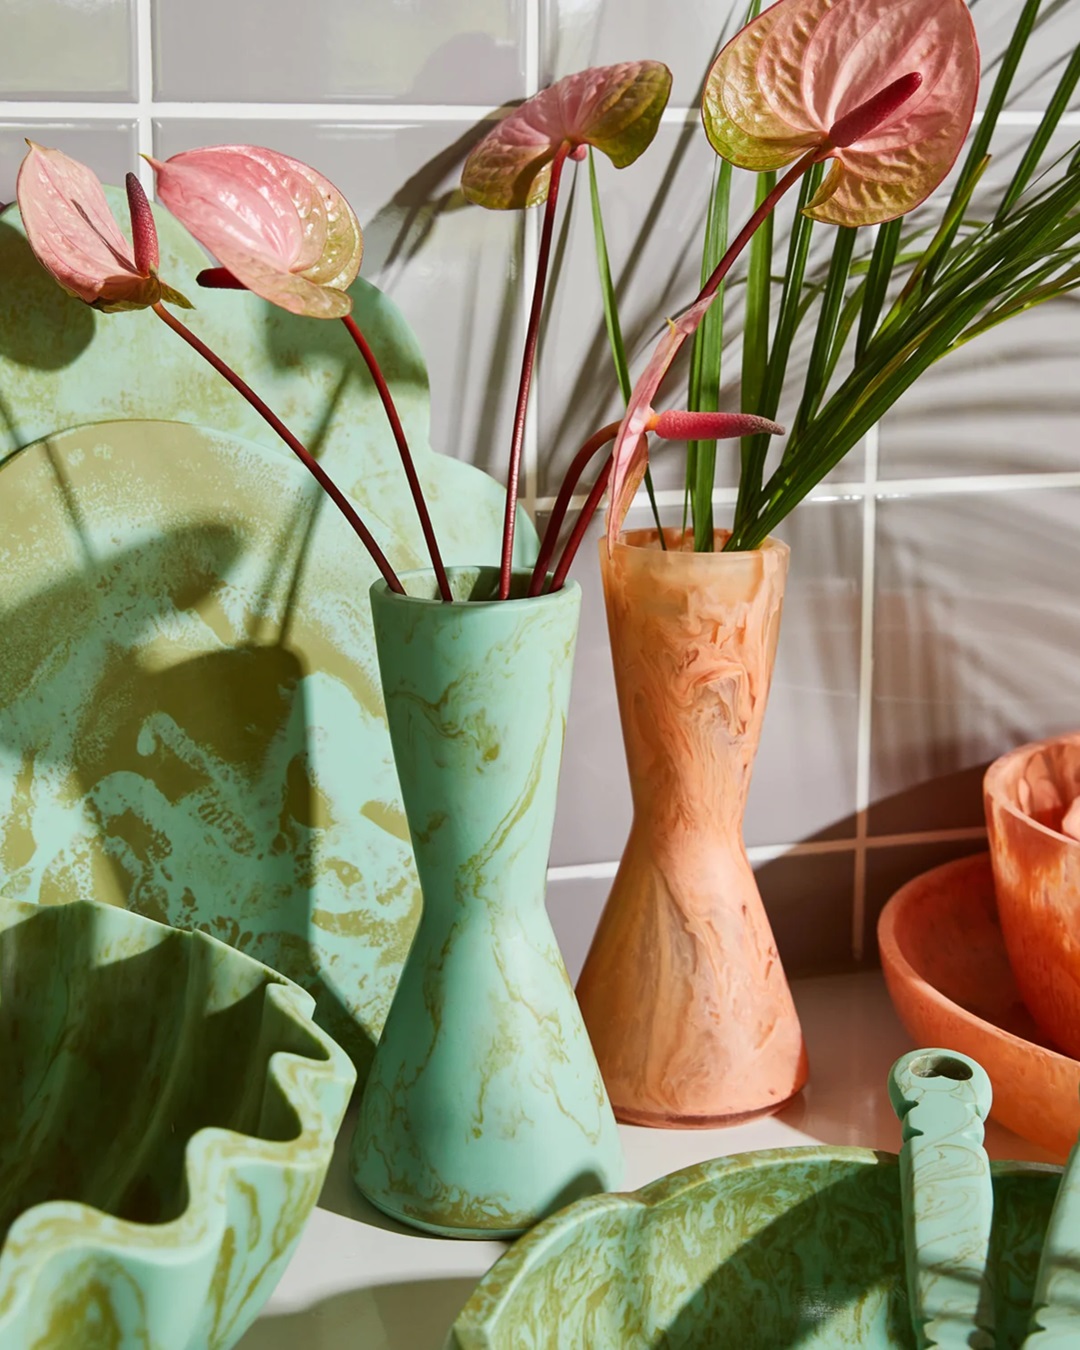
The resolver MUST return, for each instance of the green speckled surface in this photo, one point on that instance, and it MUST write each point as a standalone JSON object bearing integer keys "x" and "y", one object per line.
{"x": 763, "y": 1251}
{"x": 1056, "y": 1309}
{"x": 190, "y": 717}
{"x": 941, "y": 1099}
{"x": 167, "y": 1114}
{"x": 484, "y": 1109}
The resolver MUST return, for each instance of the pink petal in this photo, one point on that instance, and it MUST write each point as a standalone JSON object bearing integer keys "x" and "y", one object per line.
{"x": 282, "y": 228}
{"x": 805, "y": 64}
{"x": 614, "y": 108}
{"x": 73, "y": 233}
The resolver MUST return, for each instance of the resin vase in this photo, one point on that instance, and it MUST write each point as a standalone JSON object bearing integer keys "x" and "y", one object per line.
{"x": 484, "y": 1110}
{"x": 683, "y": 992}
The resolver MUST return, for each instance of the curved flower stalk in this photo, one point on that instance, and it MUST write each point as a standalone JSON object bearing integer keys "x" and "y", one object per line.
{"x": 281, "y": 229}
{"x": 519, "y": 163}
{"x": 75, "y": 237}
{"x": 816, "y": 80}
{"x": 673, "y": 425}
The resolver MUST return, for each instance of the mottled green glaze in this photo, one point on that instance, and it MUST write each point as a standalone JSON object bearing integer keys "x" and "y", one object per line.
{"x": 789, "y": 1249}
{"x": 484, "y": 1110}
{"x": 190, "y": 717}
{"x": 941, "y": 1099}
{"x": 1056, "y": 1307}
{"x": 167, "y": 1115}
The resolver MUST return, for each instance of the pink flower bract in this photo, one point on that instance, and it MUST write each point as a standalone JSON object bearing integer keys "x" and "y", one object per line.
{"x": 75, "y": 237}
{"x": 614, "y": 108}
{"x": 279, "y": 226}
{"x": 781, "y": 83}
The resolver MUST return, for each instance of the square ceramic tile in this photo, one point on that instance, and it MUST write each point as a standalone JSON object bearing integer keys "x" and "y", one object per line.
{"x": 1007, "y": 401}
{"x": 654, "y": 214}
{"x": 808, "y": 899}
{"x": 804, "y": 777}
{"x": 111, "y": 149}
{"x": 409, "y": 51}
{"x": 54, "y": 49}
{"x": 976, "y": 630}
{"x": 1044, "y": 58}
{"x": 887, "y": 869}
{"x": 580, "y": 33}
{"x": 450, "y": 267}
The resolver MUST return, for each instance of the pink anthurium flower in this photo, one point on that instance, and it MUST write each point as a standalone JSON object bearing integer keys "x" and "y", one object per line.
{"x": 782, "y": 84}
{"x": 630, "y": 456}
{"x": 75, "y": 237}
{"x": 277, "y": 225}
{"x": 614, "y": 108}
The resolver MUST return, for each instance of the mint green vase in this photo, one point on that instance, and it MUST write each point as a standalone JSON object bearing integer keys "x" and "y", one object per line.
{"x": 484, "y": 1109}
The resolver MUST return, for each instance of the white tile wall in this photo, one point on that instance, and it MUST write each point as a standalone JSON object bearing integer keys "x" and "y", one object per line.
{"x": 933, "y": 618}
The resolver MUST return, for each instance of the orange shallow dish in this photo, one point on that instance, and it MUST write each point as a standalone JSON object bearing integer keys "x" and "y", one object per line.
{"x": 949, "y": 978}
{"x": 1029, "y": 796}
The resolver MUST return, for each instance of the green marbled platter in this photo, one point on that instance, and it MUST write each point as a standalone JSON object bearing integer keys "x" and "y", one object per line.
{"x": 167, "y": 1115}
{"x": 190, "y": 720}
{"x": 763, "y": 1251}
{"x": 190, "y": 715}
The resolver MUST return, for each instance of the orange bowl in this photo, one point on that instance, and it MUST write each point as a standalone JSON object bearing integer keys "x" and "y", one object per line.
{"x": 1037, "y": 878}
{"x": 949, "y": 978}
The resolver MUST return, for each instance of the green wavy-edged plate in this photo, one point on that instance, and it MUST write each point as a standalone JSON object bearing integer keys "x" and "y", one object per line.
{"x": 190, "y": 719}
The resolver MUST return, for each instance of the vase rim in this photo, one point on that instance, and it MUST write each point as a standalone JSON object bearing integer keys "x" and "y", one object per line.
{"x": 380, "y": 590}
{"x": 1001, "y": 778}
{"x": 643, "y": 540}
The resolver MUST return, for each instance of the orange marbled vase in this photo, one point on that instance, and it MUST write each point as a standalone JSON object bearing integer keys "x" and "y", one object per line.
{"x": 683, "y": 992}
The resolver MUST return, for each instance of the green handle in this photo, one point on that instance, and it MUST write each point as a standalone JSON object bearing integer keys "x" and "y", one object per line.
{"x": 941, "y": 1099}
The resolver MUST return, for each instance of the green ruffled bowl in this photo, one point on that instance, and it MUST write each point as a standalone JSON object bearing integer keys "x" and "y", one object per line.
{"x": 167, "y": 1114}
{"x": 763, "y": 1251}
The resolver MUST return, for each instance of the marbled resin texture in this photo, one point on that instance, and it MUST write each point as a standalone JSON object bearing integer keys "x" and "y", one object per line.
{"x": 787, "y": 1249}
{"x": 1031, "y": 798}
{"x": 484, "y": 1110}
{"x": 167, "y": 1114}
{"x": 683, "y": 992}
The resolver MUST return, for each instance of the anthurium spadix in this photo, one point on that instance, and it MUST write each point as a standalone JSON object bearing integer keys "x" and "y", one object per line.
{"x": 788, "y": 78}
{"x": 276, "y": 224}
{"x": 616, "y": 109}
{"x": 76, "y": 238}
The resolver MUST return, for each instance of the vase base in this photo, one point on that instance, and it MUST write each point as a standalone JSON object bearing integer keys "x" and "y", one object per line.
{"x": 666, "y": 1120}
{"x": 446, "y": 1230}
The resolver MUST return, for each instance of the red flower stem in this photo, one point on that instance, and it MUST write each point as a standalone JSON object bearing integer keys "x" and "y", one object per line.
{"x": 528, "y": 360}
{"x": 595, "y": 443}
{"x": 303, "y": 454}
{"x": 403, "y": 449}
{"x": 750, "y": 228}
{"x": 581, "y": 525}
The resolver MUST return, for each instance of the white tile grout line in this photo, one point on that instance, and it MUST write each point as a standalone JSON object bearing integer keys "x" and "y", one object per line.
{"x": 766, "y": 853}
{"x": 144, "y": 85}
{"x": 97, "y": 110}
{"x": 530, "y": 252}
{"x": 866, "y": 688}
{"x": 882, "y": 488}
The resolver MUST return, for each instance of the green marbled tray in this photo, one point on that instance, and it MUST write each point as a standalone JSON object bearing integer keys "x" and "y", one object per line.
{"x": 167, "y": 1115}
{"x": 764, "y": 1251}
{"x": 190, "y": 717}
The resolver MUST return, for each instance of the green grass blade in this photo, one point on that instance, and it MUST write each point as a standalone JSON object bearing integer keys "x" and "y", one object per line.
{"x": 1038, "y": 143}
{"x": 882, "y": 261}
{"x": 984, "y": 133}
{"x": 755, "y": 352}
{"x": 832, "y": 301}
{"x": 611, "y": 319}
{"x": 705, "y": 362}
